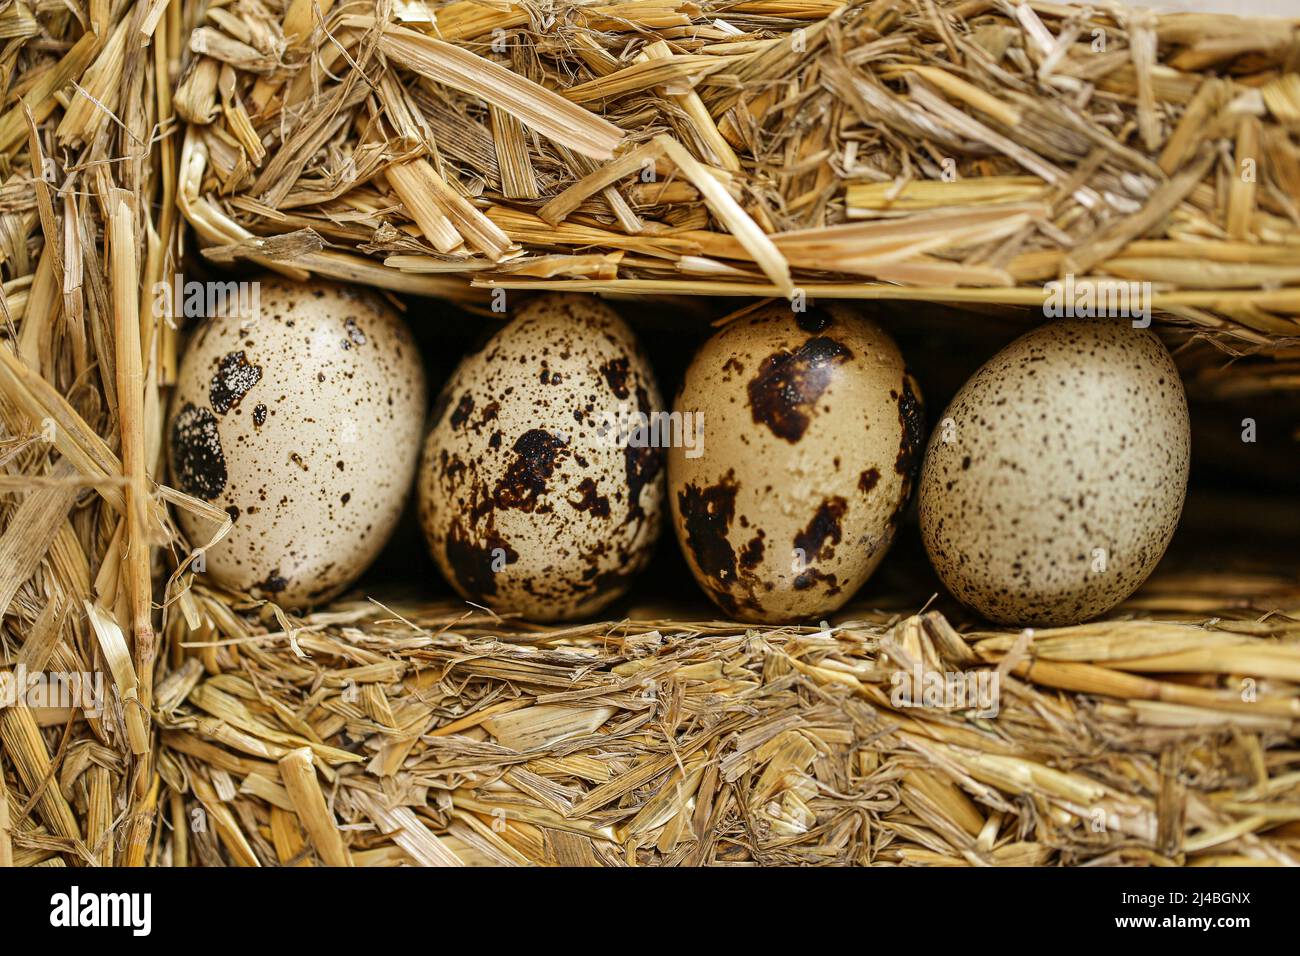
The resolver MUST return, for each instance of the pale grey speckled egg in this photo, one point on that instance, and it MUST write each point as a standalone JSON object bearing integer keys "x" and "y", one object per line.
{"x": 303, "y": 423}
{"x": 813, "y": 431}
{"x": 529, "y": 502}
{"x": 1055, "y": 480}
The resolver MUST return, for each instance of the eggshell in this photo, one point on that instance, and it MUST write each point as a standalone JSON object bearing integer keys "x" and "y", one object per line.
{"x": 812, "y": 433}
{"x": 303, "y": 423}
{"x": 1054, "y": 481}
{"x": 529, "y": 502}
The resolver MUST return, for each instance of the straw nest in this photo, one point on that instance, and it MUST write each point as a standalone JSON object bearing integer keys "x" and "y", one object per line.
{"x": 917, "y": 149}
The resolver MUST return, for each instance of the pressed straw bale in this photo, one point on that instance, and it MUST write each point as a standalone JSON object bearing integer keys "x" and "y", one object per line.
{"x": 957, "y": 100}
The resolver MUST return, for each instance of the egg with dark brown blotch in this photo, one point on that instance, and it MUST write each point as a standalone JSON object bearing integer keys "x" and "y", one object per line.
{"x": 1055, "y": 479}
{"x": 302, "y": 421}
{"x": 531, "y": 499}
{"x": 812, "y": 432}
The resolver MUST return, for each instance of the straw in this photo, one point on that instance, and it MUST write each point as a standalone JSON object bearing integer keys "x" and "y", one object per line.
{"x": 928, "y": 153}
{"x": 782, "y": 119}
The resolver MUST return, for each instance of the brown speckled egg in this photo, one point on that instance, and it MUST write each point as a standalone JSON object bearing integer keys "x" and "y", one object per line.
{"x": 812, "y": 433}
{"x": 303, "y": 423}
{"x": 1056, "y": 477}
{"x": 529, "y": 501}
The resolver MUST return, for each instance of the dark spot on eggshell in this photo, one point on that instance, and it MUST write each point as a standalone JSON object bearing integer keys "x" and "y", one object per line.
{"x": 641, "y": 465}
{"x": 616, "y": 373}
{"x": 814, "y": 320}
{"x": 590, "y": 501}
{"x": 868, "y": 480}
{"x": 273, "y": 583}
{"x": 235, "y": 376}
{"x": 788, "y": 384}
{"x": 474, "y": 562}
{"x": 259, "y": 415}
{"x": 706, "y": 515}
{"x": 824, "y": 527}
{"x": 464, "y": 408}
{"x": 233, "y": 511}
{"x": 911, "y": 421}
{"x": 751, "y": 555}
{"x": 810, "y": 576}
{"x": 536, "y": 453}
{"x": 197, "y": 457}
{"x": 911, "y": 424}
{"x": 453, "y": 468}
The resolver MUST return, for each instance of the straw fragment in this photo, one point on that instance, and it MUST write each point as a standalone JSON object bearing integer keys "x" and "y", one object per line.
{"x": 729, "y": 212}
{"x": 300, "y": 781}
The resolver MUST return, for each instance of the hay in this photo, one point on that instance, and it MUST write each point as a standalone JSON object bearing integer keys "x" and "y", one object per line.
{"x": 703, "y": 148}
{"x": 453, "y": 736}
{"x": 751, "y": 148}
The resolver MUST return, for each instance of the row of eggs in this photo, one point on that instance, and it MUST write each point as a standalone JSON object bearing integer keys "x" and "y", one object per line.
{"x": 1047, "y": 493}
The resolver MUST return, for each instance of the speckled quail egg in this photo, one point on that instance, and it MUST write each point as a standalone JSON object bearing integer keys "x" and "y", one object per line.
{"x": 303, "y": 422}
{"x": 534, "y": 496}
{"x": 1056, "y": 477}
{"x": 812, "y": 431}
